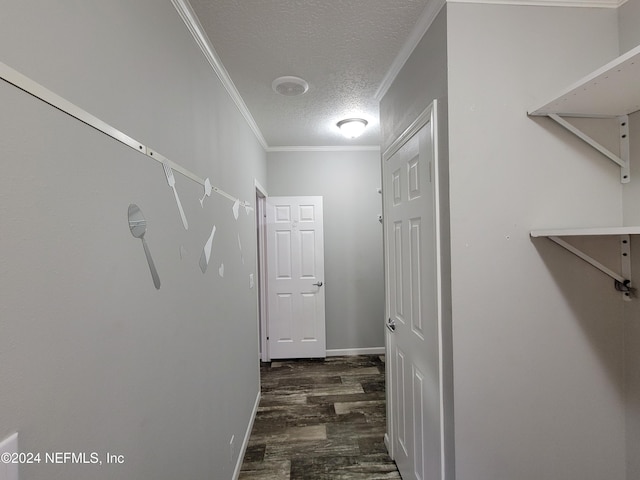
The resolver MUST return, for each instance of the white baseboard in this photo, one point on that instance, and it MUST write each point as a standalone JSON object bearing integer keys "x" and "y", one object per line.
{"x": 340, "y": 352}
{"x": 247, "y": 435}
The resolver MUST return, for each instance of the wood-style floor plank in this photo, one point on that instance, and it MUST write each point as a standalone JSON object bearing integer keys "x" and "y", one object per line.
{"x": 320, "y": 420}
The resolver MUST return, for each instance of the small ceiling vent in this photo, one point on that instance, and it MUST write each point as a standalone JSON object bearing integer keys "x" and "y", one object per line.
{"x": 290, "y": 86}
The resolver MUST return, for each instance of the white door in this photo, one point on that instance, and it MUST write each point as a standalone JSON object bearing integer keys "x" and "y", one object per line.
{"x": 413, "y": 289}
{"x": 295, "y": 284}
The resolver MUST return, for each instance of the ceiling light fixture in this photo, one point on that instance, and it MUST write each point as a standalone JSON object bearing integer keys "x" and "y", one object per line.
{"x": 352, "y": 127}
{"x": 290, "y": 86}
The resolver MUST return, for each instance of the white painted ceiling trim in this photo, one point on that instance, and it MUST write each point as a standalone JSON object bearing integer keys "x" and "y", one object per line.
{"x": 327, "y": 148}
{"x": 193, "y": 24}
{"x": 551, "y": 3}
{"x": 424, "y": 22}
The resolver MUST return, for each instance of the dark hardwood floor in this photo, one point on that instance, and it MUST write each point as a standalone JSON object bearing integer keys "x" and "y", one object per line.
{"x": 320, "y": 420}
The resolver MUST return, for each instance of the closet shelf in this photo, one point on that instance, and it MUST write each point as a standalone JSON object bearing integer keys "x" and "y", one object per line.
{"x": 577, "y": 232}
{"x": 610, "y": 91}
{"x": 622, "y": 281}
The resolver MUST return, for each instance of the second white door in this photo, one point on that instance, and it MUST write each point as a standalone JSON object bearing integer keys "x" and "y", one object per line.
{"x": 295, "y": 283}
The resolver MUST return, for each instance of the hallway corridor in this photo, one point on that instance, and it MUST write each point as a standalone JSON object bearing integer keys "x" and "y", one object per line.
{"x": 320, "y": 420}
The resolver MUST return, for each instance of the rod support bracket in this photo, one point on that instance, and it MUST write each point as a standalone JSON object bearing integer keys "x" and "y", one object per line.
{"x": 622, "y": 281}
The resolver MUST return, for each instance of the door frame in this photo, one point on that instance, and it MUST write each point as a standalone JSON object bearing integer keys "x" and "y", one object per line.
{"x": 261, "y": 260}
{"x": 429, "y": 114}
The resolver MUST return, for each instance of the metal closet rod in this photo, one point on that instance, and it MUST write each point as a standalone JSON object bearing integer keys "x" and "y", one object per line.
{"x": 27, "y": 85}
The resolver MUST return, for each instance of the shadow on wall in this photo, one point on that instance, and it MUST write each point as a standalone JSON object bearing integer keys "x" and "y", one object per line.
{"x": 592, "y": 298}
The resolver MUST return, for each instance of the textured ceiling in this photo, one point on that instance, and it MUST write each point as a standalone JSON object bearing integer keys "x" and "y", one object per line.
{"x": 343, "y": 48}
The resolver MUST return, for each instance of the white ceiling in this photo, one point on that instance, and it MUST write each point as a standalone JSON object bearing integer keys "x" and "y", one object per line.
{"x": 347, "y": 50}
{"x": 342, "y": 48}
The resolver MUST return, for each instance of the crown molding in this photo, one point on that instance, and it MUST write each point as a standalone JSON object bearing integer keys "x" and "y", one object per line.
{"x": 202, "y": 39}
{"x": 424, "y": 22}
{"x": 326, "y": 148}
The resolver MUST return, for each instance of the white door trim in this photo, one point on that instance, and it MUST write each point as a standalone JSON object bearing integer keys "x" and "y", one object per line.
{"x": 429, "y": 114}
{"x": 261, "y": 259}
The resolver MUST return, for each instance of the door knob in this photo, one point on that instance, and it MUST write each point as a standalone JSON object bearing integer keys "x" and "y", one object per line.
{"x": 391, "y": 325}
{"x": 318, "y": 284}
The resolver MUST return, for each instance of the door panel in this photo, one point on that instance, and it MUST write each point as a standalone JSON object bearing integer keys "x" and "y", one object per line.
{"x": 403, "y": 421}
{"x": 295, "y": 276}
{"x": 416, "y": 275}
{"x": 398, "y": 284}
{"x": 282, "y": 258}
{"x": 418, "y": 416}
{"x": 308, "y": 254}
{"x": 413, "y": 276}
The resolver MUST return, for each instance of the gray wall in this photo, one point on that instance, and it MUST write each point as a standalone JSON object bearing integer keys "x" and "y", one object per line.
{"x": 422, "y": 79}
{"x": 629, "y": 36}
{"x": 348, "y": 181}
{"x": 629, "y": 19}
{"x": 92, "y": 356}
{"x": 632, "y": 309}
{"x": 632, "y": 370}
{"x": 538, "y": 341}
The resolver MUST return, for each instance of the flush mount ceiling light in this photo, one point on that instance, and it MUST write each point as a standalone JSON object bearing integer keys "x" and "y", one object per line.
{"x": 290, "y": 86}
{"x": 352, "y": 127}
